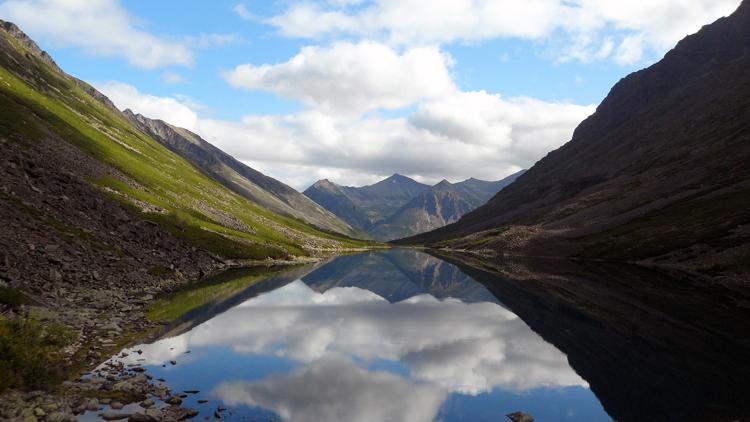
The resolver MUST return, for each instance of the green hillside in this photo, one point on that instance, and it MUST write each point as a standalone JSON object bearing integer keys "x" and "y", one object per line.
{"x": 38, "y": 100}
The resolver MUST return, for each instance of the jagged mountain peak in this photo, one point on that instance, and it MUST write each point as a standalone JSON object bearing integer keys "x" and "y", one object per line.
{"x": 399, "y": 206}
{"x": 443, "y": 184}
{"x": 29, "y": 44}
{"x": 324, "y": 184}
{"x": 397, "y": 178}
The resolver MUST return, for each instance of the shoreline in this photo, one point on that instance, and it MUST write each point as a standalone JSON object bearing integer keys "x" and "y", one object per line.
{"x": 93, "y": 384}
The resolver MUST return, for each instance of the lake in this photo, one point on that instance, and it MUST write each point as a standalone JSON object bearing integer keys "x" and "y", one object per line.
{"x": 401, "y": 335}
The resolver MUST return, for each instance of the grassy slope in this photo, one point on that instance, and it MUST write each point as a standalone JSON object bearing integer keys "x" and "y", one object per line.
{"x": 43, "y": 100}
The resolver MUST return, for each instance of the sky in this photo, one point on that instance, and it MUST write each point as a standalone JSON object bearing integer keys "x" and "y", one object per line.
{"x": 356, "y": 90}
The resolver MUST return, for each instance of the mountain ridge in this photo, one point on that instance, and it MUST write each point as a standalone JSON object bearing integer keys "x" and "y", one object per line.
{"x": 441, "y": 204}
{"x": 399, "y": 206}
{"x": 239, "y": 177}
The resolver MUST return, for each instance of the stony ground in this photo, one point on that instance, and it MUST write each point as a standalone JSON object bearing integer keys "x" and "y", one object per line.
{"x": 87, "y": 262}
{"x": 129, "y": 384}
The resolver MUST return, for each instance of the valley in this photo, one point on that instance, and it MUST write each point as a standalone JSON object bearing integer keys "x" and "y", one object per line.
{"x": 154, "y": 271}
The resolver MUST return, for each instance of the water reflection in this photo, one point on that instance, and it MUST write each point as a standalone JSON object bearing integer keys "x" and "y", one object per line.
{"x": 391, "y": 335}
{"x": 399, "y": 274}
{"x": 462, "y": 347}
{"x": 338, "y": 390}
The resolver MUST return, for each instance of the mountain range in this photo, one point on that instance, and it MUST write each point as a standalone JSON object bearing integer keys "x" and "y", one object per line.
{"x": 659, "y": 173}
{"x": 398, "y": 206}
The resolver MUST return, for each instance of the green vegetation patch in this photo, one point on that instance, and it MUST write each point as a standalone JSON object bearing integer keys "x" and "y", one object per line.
{"x": 30, "y": 353}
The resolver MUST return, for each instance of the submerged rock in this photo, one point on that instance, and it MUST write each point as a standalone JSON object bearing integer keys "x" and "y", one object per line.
{"x": 520, "y": 417}
{"x": 174, "y": 400}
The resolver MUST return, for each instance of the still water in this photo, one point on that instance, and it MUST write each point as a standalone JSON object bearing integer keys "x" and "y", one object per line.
{"x": 395, "y": 335}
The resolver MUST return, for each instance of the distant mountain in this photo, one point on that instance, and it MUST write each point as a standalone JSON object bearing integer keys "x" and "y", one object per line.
{"x": 250, "y": 183}
{"x": 660, "y": 172}
{"x": 362, "y": 207}
{"x": 399, "y": 206}
{"x": 437, "y": 206}
{"x": 336, "y": 199}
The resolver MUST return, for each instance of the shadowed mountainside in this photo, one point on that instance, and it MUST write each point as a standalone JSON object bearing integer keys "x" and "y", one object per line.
{"x": 659, "y": 172}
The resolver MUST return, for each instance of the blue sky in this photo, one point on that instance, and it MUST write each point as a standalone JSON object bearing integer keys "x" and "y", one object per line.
{"x": 354, "y": 90}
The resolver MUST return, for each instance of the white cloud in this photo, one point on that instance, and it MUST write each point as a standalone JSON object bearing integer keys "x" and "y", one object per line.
{"x": 348, "y": 77}
{"x": 461, "y": 135}
{"x": 243, "y": 12}
{"x": 307, "y": 20}
{"x": 410, "y": 22}
{"x": 584, "y": 48}
{"x": 662, "y": 23}
{"x": 172, "y": 78}
{"x": 163, "y": 108}
{"x": 569, "y": 23}
{"x": 466, "y": 134}
{"x": 630, "y": 50}
{"x": 100, "y": 27}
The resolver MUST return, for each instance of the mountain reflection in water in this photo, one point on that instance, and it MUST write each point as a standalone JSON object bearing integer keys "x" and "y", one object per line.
{"x": 393, "y": 335}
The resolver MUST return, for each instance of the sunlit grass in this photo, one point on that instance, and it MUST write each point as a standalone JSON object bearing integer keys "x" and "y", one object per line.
{"x": 47, "y": 101}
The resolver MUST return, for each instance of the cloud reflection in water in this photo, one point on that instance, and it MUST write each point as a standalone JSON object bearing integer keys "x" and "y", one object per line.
{"x": 339, "y": 335}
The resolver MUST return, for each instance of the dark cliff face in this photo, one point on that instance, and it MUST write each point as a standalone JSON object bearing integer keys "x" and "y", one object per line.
{"x": 246, "y": 181}
{"x": 660, "y": 167}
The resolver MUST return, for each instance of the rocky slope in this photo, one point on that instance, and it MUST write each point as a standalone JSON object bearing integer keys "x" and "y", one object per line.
{"x": 244, "y": 180}
{"x": 659, "y": 172}
{"x": 399, "y": 206}
{"x": 440, "y": 205}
